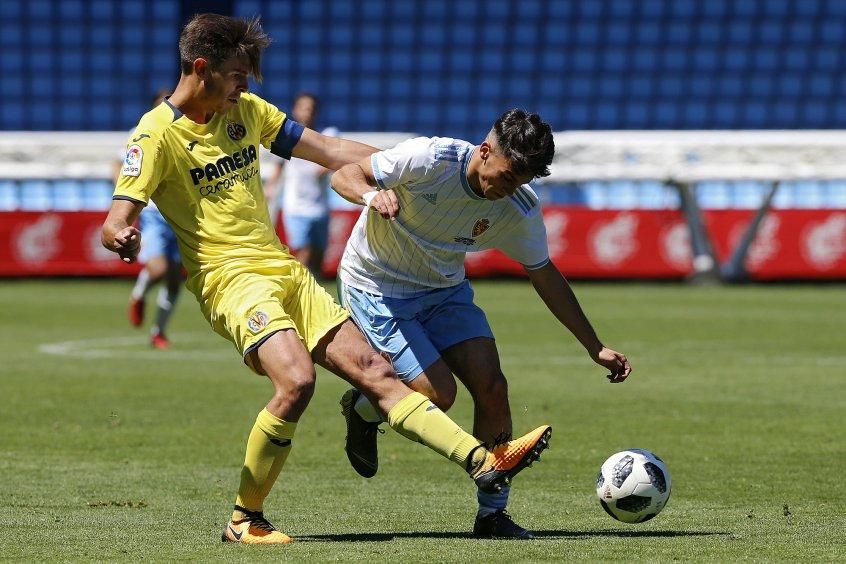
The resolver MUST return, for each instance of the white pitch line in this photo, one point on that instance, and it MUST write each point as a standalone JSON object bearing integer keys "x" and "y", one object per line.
{"x": 133, "y": 348}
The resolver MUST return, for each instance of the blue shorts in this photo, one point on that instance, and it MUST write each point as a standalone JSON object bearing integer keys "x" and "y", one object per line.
{"x": 414, "y": 331}
{"x": 157, "y": 238}
{"x": 302, "y": 231}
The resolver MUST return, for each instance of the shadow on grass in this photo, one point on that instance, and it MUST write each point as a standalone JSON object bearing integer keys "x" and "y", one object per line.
{"x": 548, "y": 534}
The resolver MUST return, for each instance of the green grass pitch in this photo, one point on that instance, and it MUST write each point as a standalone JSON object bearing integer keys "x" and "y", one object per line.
{"x": 112, "y": 451}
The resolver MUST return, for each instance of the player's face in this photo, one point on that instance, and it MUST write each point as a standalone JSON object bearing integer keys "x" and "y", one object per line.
{"x": 225, "y": 83}
{"x": 497, "y": 179}
{"x": 305, "y": 110}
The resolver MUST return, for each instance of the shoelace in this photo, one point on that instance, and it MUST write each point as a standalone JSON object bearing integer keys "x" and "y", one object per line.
{"x": 372, "y": 429}
{"x": 258, "y": 520}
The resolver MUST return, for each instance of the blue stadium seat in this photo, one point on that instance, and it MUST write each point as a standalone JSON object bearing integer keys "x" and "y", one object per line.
{"x": 710, "y": 33}
{"x": 790, "y": 85}
{"x": 97, "y": 194}
{"x": 807, "y": 9}
{"x": 785, "y": 196}
{"x": 35, "y": 195}
{"x": 748, "y": 8}
{"x": 760, "y": 85}
{"x": 168, "y": 11}
{"x": 815, "y": 113}
{"x": 826, "y": 58}
{"x": 39, "y": 9}
{"x": 11, "y": 85}
{"x": 653, "y": 195}
{"x": 11, "y": 11}
{"x": 607, "y": 116}
{"x": 836, "y": 194}
{"x": 103, "y": 10}
{"x": 12, "y": 115}
{"x": 622, "y": 195}
{"x": 821, "y": 85}
{"x": 748, "y": 194}
{"x": 67, "y": 195}
{"x": 577, "y": 116}
{"x": 8, "y": 195}
{"x": 797, "y": 58}
{"x": 713, "y": 194}
{"x": 766, "y": 59}
{"x": 611, "y": 86}
{"x": 407, "y": 11}
{"x": 621, "y": 9}
{"x": 644, "y": 60}
{"x": 618, "y": 34}
{"x": 810, "y": 194}
{"x": 786, "y": 113}
{"x": 831, "y": 32}
{"x": 596, "y": 195}
{"x": 615, "y": 60}
{"x": 71, "y": 11}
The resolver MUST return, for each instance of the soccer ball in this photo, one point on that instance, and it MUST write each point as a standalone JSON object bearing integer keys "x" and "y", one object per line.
{"x": 633, "y": 486}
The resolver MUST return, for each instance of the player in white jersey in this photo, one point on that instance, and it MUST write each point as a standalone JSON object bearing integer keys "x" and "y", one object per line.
{"x": 305, "y": 201}
{"x": 428, "y": 202}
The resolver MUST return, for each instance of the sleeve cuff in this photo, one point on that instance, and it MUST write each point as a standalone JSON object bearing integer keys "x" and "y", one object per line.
{"x": 377, "y": 172}
{"x": 536, "y": 266}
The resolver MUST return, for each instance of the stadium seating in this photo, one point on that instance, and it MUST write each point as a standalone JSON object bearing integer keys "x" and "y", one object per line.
{"x": 604, "y": 64}
{"x": 449, "y": 68}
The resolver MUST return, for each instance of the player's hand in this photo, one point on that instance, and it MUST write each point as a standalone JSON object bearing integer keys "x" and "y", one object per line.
{"x": 616, "y": 362}
{"x": 128, "y": 243}
{"x": 386, "y": 203}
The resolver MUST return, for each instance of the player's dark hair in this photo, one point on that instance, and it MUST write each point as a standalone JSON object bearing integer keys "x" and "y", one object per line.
{"x": 307, "y": 94}
{"x": 217, "y": 38}
{"x": 526, "y": 141}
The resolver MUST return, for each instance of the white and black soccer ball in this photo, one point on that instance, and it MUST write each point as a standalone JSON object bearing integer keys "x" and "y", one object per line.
{"x": 633, "y": 486}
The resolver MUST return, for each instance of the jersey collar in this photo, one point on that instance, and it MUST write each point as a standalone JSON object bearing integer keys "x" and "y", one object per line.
{"x": 464, "y": 182}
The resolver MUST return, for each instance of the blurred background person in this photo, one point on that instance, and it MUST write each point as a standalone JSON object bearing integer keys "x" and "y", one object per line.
{"x": 161, "y": 262}
{"x": 304, "y": 195}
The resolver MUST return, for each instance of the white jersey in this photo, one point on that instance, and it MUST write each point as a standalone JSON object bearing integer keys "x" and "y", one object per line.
{"x": 304, "y": 190}
{"x": 440, "y": 220}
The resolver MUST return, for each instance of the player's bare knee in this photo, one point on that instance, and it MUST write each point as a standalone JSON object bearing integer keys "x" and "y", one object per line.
{"x": 444, "y": 394}
{"x": 491, "y": 388}
{"x": 296, "y": 385}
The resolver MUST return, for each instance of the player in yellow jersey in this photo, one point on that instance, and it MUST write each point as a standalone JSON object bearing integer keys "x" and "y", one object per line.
{"x": 196, "y": 156}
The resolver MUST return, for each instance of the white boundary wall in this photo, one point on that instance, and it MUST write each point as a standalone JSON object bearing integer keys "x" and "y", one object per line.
{"x": 66, "y": 154}
{"x": 683, "y": 156}
{"x": 690, "y": 156}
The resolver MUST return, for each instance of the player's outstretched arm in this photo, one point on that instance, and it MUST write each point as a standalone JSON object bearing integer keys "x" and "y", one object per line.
{"x": 356, "y": 183}
{"x": 330, "y": 152}
{"x": 558, "y": 296}
{"x": 118, "y": 234}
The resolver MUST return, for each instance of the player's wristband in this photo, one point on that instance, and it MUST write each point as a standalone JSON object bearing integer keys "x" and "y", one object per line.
{"x": 368, "y": 197}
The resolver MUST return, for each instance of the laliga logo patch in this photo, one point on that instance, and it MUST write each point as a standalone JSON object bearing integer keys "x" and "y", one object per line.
{"x": 132, "y": 162}
{"x": 480, "y": 226}
{"x": 257, "y": 321}
{"x": 236, "y": 131}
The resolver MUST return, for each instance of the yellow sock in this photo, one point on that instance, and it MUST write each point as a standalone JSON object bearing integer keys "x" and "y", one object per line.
{"x": 267, "y": 449}
{"x": 417, "y": 418}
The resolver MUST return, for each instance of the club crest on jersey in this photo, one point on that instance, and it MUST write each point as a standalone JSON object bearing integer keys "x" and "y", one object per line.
{"x": 480, "y": 226}
{"x": 132, "y": 161}
{"x": 236, "y": 131}
{"x": 257, "y": 321}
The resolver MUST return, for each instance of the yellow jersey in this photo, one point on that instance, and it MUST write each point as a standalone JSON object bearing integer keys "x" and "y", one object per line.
{"x": 205, "y": 180}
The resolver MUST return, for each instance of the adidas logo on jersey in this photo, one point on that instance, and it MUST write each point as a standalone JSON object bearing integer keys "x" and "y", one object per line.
{"x": 431, "y": 198}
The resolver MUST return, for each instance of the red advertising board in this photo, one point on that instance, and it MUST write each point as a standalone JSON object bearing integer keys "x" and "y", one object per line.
{"x": 583, "y": 243}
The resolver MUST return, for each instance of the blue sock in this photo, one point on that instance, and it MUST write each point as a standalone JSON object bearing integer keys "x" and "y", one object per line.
{"x": 492, "y": 502}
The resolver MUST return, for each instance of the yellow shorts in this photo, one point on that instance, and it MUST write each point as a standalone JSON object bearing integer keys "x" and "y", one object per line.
{"x": 251, "y": 302}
